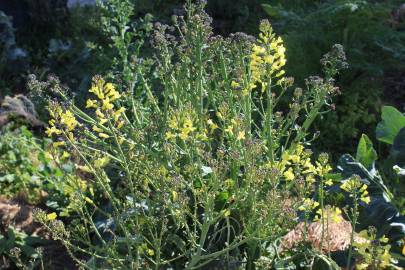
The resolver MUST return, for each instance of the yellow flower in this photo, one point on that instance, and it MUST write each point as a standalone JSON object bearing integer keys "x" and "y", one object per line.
{"x": 88, "y": 200}
{"x": 95, "y": 89}
{"x": 332, "y": 213}
{"x": 310, "y": 179}
{"x": 103, "y": 135}
{"x": 169, "y": 135}
{"x": 68, "y": 119}
{"x": 354, "y": 185}
{"x": 51, "y": 216}
{"x": 188, "y": 124}
{"x": 235, "y": 84}
{"x": 229, "y": 130}
{"x": 174, "y": 195}
{"x": 295, "y": 158}
{"x": 184, "y": 135}
{"x": 105, "y": 92}
{"x": 120, "y": 124}
{"x": 107, "y": 105}
{"x": 52, "y": 130}
{"x": 103, "y": 121}
{"x": 258, "y": 50}
{"x": 308, "y": 205}
{"x": 100, "y": 114}
{"x": 57, "y": 144}
{"x": 111, "y": 92}
{"x": 173, "y": 123}
{"x": 97, "y": 129}
{"x": 329, "y": 182}
{"x": 361, "y": 266}
{"x": 90, "y": 103}
{"x": 366, "y": 199}
{"x": 385, "y": 258}
{"x": 219, "y": 115}
{"x": 241, "y": 135}
{"x": 65, "y": 155}
{"x": 289, "y": 175}
{"x": 212, "y": 125}
{"x": 187, "y": 129}
{"x": 118, "y": 113}
{"x": 101, "y": 162}
{"x": 83, "y": 168}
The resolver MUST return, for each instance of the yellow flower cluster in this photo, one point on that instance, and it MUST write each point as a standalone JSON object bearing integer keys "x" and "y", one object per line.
{"x": 374, "y": 252}
{"x": 182, "y": 126}
{"x": 354, "y": 185}
{"x": 61, "y": 121}
{"x": 104, "y": 107}
{"x": 267, "y": 58}
{"x": 308, "y": 205}
{"x": 329, "y": 213}
{"x": 233, "y": 129}
{"x": 297, "y": 162}
{"x": 105, "y": 92}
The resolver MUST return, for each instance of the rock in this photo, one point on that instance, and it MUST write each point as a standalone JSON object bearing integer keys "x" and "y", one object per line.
{"x": 336, "y": 236}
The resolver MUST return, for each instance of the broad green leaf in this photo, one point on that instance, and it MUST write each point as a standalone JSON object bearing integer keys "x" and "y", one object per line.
{"x": 366, "y": 153}
{"x": 391, "y": 124}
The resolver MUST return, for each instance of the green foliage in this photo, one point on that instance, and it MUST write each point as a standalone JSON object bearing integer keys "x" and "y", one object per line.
{"x": 373, "y": 41}
{"x": 19, "y": 165}
{"x": 392, "y": 132}
{"x": 392, "y": 122}
{"x": 124, "y": 37}
{"x": 21, "y": 249}
{"x": 381, "y": 213}
{"x": 366, "y": 153}
{"x": 27, "y": 170}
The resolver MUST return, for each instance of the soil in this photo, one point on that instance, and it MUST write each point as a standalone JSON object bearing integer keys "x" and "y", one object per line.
{"x": 18, "y": 214}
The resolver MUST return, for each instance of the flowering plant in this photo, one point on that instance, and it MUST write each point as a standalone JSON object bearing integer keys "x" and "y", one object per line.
{"x": 187, "y": 166}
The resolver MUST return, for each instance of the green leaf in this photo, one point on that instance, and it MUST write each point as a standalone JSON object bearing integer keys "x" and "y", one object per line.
{"x": 392, "y": 122}
{"x": 366, "y": 153}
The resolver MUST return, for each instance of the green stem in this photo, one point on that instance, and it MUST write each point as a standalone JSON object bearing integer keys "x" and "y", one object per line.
{"x": 354, "y": 222}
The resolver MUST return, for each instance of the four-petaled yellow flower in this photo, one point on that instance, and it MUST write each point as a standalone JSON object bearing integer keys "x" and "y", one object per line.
{"x": 91, "y": 103}
{"x": 51, "y": 216}
{"x": 241, "y": 135}
{"x": 289, "y": 174}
